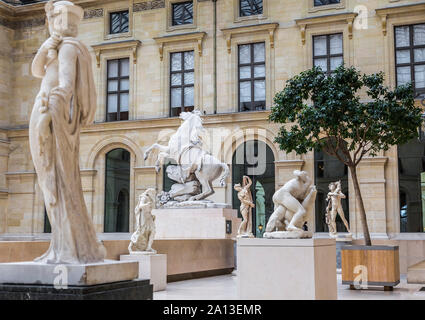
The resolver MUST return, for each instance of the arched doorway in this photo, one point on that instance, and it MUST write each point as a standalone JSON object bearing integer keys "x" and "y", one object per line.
{"x": 117, "y": 186}
{"x": 329, "y": 169}
{"x": 255, "y": 159}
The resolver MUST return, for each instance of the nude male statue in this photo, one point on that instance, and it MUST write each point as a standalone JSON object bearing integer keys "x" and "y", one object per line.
{"x": 291, "y": 203}
{"x": 245, "y": 197}
{"x": 334, "y": 208}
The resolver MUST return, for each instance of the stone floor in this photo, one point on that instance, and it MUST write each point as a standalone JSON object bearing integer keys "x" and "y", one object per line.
{"x": 224, "y": 288}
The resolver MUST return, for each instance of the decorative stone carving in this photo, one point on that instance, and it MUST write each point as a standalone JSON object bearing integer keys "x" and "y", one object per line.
{"x": 245, "y": 197}
{"x": 142, "y": 238}
{"x": 66, "y": 101}
{"x": 334, "y": 208}
{"x": 196, "y": 168}
{"x": 292, "y": 202}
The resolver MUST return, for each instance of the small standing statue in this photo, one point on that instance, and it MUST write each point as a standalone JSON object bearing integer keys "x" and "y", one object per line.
{"x": 245, "y": 197}
{"x": 334, "y": 208}
{"x": 142, "y": 238}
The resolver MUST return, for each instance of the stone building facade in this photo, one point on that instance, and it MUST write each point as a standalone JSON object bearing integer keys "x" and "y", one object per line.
{"x": 240, "y": 53}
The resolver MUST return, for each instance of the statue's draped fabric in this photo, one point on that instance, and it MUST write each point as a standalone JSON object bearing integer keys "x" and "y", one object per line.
{"x": 56, "y": 160}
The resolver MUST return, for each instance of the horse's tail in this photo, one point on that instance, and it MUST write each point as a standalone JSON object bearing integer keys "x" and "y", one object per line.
{"x": 224, "y": 174}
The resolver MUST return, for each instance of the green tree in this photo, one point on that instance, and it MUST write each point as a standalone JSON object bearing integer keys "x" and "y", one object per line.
{"x": 347, "y": 115}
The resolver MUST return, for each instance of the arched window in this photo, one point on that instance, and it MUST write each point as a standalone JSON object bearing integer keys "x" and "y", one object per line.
{"x": 117, "y": 186}
{"x": 329, "y": 169}
{"x": 411, "y": 178}
{"x": 255, "y": 159}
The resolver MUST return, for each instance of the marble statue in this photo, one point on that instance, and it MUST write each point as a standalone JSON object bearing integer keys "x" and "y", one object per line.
{"x": 65, "y": 103}
{"x": 292, "y": 202}
{"x": 142, "y": 238}
{"x": 196, "y": 168}
{"x": 334, "y": 208}
{"x": 245, "y": 197}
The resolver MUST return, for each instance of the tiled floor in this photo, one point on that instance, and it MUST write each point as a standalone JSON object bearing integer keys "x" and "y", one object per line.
{"x": 224, "y": 288}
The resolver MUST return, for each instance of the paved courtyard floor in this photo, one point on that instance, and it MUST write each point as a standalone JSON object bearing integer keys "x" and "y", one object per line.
{"x": 224, "y": 288}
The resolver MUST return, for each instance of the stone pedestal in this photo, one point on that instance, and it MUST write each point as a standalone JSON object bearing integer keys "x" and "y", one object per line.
{"x": 341, "y": 242}
{"x": 286, "y": 269}
{"x": 151, "y": 266}
{"x": 204, "y": 223}
{"x": 72, "y": 275}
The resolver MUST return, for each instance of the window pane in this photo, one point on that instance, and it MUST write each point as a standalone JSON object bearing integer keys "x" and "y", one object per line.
{"x": 176, "y": 79}
{"x": 420, "y": 77}
{"x": 259, "y": 52}
{"x": 112, "y": 103}
{"x": 125, "y": 85}
{"x": 403, "y": 75}
{"x": 182, "y": 13}
{"x": 188, "y": 60}
{"x": 402, "y": 36}
{"x": 259, "y": 71}
{"x": 189, "y": 78}
{"x": 336, "y": 62}
{"x": 189, "y": 96}
{"x": 113, "y": 68}
{"x": 419, "y": 34}
{"x": 112, "y": 85}
{"x": 245, "y": 72}
{"x": 124, "y": 102}
{"x": 124, "y": 68}
{"x": 320, "y": 46}
{"x": 322, "y": 63}
{"x": 259, "y": 90}
{"x": 251, "y": 7}
{"x": 245, "y": 91}
{"x": 419, "y": 55}
{"x": 244, "y": 54}
{"x": 335, "y": 41}
{"x": 176, "y": 61}
{"x": 176, "y": 97}
{"x": 318, "y": 3}
{"x": 124, "y": 22}
{"x": 403, "y": 56}
{"x": 115, "y": 22}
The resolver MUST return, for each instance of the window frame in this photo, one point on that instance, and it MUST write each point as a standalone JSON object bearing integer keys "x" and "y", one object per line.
{"x": 412, "y": 63}
{"x": 326, "y": 4}
{"x": 118, "y": 92}
{"x": 250, "y": 15}
{"x": 179, "y": 4}
{"x": 328, "y": 55}
{"x": 121, "y": 12}
{"x": 182, "y": 86}
{"x": 252, "y": 79}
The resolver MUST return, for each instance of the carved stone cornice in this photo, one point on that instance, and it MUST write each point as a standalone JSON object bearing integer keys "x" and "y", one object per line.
{"x": 229, "y": 33}
{"x": 347, "y": 17}
{"x": 113, "y": 46}
{"x": 385, "y": 13}
{"x": 148, "y": 5}
{"x": 190, "y": 37}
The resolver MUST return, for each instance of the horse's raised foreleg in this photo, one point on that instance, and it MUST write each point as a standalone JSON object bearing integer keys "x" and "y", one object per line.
{"x": 160, "y": 161}
{"x": 155, "y": 146}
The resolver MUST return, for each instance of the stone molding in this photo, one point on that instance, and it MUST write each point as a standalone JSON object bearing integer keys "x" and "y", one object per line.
{"x": 113, "y": 46}
{"x": 93, "y": 13}
{"x": 189, "y": 37}
{"x": 148, "y": 5}
{"x": 348, "y": 18}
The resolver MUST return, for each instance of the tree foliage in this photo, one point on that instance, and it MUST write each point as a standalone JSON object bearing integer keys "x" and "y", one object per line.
{"x": 328, "y": 113}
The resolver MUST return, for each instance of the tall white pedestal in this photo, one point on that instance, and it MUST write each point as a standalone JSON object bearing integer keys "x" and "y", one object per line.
{"x": 286, "y": 269}
{"x": 203, "y": 223}
{"x": 151, "y": 266}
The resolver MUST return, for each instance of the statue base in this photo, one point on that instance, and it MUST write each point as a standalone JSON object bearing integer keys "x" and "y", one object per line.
{"x": 189, "y": 223}
{"x": 201, "y": 204}
{"x": 123, "y": 290}
{"x": 246, "y": 235}
{"x": 34, "y": 273}
{"x": 151, "y": 266}
{"x": 288, "y": 235}
{"x": 286, "y": 269}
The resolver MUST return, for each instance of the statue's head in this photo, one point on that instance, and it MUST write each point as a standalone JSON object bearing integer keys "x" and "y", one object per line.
{"x": 303, "y": 175}
{"x": 63, "y": 18}
{"x": 149, "y": 193}
{"x": 332, "y": 186}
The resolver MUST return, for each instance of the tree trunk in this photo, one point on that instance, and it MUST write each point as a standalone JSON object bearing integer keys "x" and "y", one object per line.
{"x": 363, "y": 219}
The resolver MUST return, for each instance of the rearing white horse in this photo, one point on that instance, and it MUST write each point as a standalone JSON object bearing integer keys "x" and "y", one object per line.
{"x": 185, "y": 147}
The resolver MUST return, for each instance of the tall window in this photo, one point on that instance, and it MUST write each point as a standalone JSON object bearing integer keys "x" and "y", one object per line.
{"x": 318, "y": 3}
{"x": 328, "y": 52}
{"x": 117, "y": 186}
{"x": 250, "y": 7}
{"x": 411, "y": 175}
{"x": 118, "y": 89}
{"x": 182, "y": 13}
{"x": 252, "y": 77}
{"x": 182, "y": 82}
{"x": 410, "y": 56}
{"x": 118, "y": 22}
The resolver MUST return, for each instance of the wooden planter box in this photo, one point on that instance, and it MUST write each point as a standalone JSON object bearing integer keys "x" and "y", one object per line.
{"x": 374, "y": 266}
